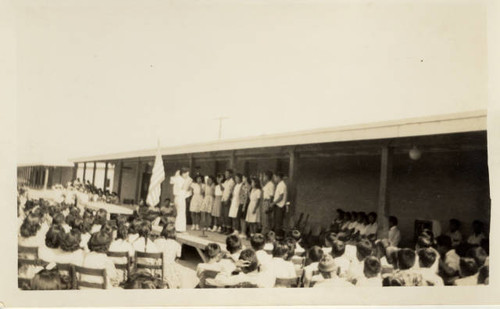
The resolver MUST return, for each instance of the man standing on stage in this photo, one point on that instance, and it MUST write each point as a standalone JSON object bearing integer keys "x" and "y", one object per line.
{"x": 280, "y": 196}
{"x": 266, "y": 211}
{"x": 227, "y": 192}
{"x": 182, "y": 184}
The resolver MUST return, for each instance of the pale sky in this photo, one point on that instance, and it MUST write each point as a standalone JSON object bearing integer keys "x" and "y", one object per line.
{"x": 97, "y": 77}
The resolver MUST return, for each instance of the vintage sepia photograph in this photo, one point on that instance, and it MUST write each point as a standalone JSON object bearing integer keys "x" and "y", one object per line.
{"x": 315, "y": 146}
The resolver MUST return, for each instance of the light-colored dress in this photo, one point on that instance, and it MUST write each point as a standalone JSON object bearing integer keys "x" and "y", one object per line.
{"x": 235, "y": 202}
{"x": 208, "y": 200}
{"x": 171, "y": 271}
{"x": 255, "y": 200}
{"x": 197, "y": 200}
{"x": 216, "y": 208}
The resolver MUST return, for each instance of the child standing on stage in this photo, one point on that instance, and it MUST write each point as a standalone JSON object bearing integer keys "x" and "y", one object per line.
{"x": 253, "y": 212}
{"x": 227, "y": 192}
{"x": 196, "y": 202}
{"x": 208, "y": 202}
{"x": 216, "y": 208}
{"x": 234, "y": 210}
{"x": 244, "y": 200}
{"x": 266, "y": 218}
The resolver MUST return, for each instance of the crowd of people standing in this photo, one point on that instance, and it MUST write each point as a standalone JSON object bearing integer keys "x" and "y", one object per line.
{"x": 231, "y": 203}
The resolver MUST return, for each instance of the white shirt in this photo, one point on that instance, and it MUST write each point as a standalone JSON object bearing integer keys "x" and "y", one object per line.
{"x": 140, "y": 245}
{"x": 121, "y": 245}
{"x": 228, "y": 188}
{"x": 308, "y": 272}
{"x": 343, "y": 263}
{"x": 171, "y": 249}
{"x": 268, "y": 190}
{"x": 101, "y": 261}
{"x": 370, "y": 282}
{"x": 265, "y": 259}
{"x": 470, "y": 280}
{"x": 260, "y": 279}
{"x": 280, "y": 189}
{"x": 283, "y": 269}
{"x": 371, "y": 229}
{"x": 394, "y": 236}
{"x": 333, "y": 282}
{"x": 475, "y": 239}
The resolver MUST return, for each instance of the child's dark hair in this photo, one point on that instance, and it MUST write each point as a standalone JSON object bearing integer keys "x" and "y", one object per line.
{"x": 233, "y": 243}
{"x": 338, "y": 248}
{"x": 478, "y": 254}
{"x": 168, "y": 231}
{"x": 53, "y": 237}
{"x": 426, "y": 257}
{"x": 47, "y": 280}
{"x": 99, "y": 242}
{"x": 314, "y": 254}
{"x": 372, "y": 267}
{"x": 258, "y": 241}
{"x": 292, "y": 244}
{"x": 249, "y": 256}
{"x": 364, "y": 248}
{"x": 280, "y": 249}
{"x": 122, "y": 232}
{"x": 270, "y": 237}
{"x": 101, "y": 216}
{"x": 30, "y": 227}
{"x": 213, "y": 250}
{"x": 58, "y": 219}
{"x": 393, "y": 220}
{"x": 468, "y": 267}
{"x": 444, "y": 241}
{"x": 406, "y": 258}
{"x": 455, "y": 222}
{"x": 268, "y": 174}
{"x": 143, "y": 280}
{"x": 70, "y": 242}
{"x": 484, "y": 274}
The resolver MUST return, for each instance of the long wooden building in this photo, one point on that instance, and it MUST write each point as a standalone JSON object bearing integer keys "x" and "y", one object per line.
{"x": 432, "y": 168}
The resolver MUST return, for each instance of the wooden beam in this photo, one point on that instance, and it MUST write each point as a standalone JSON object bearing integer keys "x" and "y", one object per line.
{"x": 120, "y": 176}
{"x": 93, "y": 173}
{"x": 383, "y": 208}
{"x": 46, "y": 178}
{"x": 104, "y": 186}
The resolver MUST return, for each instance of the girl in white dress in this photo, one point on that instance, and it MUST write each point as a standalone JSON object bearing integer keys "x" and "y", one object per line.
{"x": 196, "y": 202}
{"x": 235, "y": 204}
{"x": 253, "y": 213}
{"x": 208, "y": 203}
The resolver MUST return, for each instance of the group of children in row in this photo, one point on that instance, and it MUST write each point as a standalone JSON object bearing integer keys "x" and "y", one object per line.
{"x": 69, "y": 235}
{"x": 341, "y": 261}
{"x": 233, "y": 203}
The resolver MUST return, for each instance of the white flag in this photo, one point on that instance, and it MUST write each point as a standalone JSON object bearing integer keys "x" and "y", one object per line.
{"x": 157, "y": 177}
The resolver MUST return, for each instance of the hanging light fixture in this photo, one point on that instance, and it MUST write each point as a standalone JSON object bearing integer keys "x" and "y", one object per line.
{"x": 415, "y": 153}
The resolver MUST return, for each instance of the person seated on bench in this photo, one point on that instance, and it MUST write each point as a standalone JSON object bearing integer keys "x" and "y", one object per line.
{"x": 247, "y": 273}
{"x": 328, "y": 270}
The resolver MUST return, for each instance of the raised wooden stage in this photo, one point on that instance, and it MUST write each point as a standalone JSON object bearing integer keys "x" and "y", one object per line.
{"x": 196, "y": 240}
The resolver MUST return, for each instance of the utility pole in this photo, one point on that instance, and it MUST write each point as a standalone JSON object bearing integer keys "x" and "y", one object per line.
{"x": 220, "y": 124}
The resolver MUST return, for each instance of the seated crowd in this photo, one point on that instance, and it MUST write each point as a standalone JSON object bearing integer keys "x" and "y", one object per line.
{"x": 349, "y": 253}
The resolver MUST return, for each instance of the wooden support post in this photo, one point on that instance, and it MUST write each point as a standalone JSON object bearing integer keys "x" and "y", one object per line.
{"x": 84, "y": 172}
{"x": 75, "y": 171}
{"x": 292, "y": 182}
{"x": 384, "y": 191}
{"x": 232, "y": 160}
{"x": 46, "y": 178}
{"x": 93, "y": 173}
{"x": 138, "y": 175}
{"x": 105, "y": 185}
{"x": 120, "y": 176}
{"x": 191, "y": 164}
